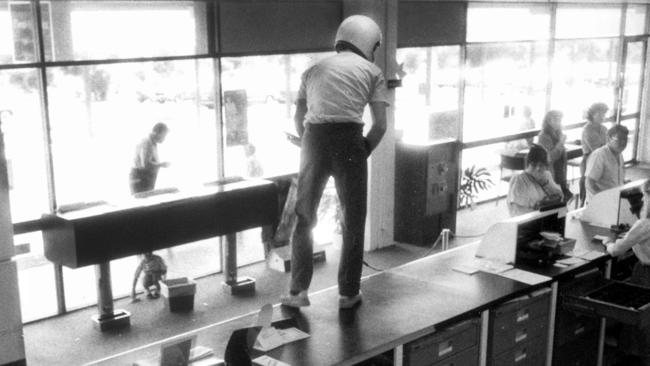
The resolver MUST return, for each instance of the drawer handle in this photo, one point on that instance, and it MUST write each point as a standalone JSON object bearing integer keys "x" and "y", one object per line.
{"x": 521, "y": 335}
{"x": 522, "y": 315}
{"x": 579, "y": 330}
{"x": 520, "y": 356}
{"x": 445, "y": 348}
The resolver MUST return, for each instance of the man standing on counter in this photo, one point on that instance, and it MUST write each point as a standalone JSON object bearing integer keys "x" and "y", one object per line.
{"x": 329, "y": 109}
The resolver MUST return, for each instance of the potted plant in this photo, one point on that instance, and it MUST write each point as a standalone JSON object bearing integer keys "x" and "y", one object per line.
{"x": 472, "y": 182}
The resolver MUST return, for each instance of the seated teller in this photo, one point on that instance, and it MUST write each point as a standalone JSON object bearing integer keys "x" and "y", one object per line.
{"x": 535, "y": 186}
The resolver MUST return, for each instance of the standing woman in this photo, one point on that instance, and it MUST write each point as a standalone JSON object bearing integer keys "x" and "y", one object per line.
{"x": 552, "y": 139}
{"x": 594, "y": 135}
{"x": 636, "y": 341}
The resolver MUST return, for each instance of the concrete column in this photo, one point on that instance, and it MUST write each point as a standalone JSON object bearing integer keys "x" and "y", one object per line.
{"x": 11, "y": 325}
{"x": 381, "y": 172}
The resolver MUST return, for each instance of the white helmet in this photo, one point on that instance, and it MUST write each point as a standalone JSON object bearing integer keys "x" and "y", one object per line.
{"x": 361, "y": 32}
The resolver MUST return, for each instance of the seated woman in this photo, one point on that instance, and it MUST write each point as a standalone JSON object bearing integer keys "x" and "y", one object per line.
{"x": 535, "y": 186}
{"x": 552, "y": 139}
{"x": 635, "y": 341}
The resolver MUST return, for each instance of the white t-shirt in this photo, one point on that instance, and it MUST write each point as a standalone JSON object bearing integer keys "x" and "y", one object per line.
{"x": 338, "y": 88}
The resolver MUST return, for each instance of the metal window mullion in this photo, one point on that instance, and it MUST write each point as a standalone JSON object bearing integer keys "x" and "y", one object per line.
{"x": 620, "y": 69}
{"x": 220, "y": 140}
{"x": 45, "y": 114}
{"x": 551, "y": 56}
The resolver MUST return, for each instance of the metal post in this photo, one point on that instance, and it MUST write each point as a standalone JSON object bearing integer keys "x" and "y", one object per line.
{"x": 445, "y": 239}
{"x": 108, "y": 318}
{"x": 104, "y": 290}
{"x": 230, "y": 259}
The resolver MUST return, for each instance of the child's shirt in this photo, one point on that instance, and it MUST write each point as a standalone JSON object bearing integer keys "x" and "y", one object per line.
{"x": 155, "y": 264}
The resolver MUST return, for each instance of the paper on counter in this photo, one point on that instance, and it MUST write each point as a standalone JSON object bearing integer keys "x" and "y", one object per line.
{"x": 486, "y": 265}
{"x": 265, "y": 316}
{"x": 466, "y": 269}
{"x": 569, "y": 261}
{"x": 268, "y": 361}
{"x": 524, "y": 276}
{"x": 591, "y": 255}
{"x": 270, "y": 338}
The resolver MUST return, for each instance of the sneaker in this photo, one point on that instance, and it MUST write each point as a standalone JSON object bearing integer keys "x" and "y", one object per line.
{"x": 295, "y": 301}
{"x": 347, "y": 302}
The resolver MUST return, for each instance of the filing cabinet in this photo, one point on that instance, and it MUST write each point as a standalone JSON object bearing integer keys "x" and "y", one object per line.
{"x": 518, "y": 330}
{"x": 453, "y": 346}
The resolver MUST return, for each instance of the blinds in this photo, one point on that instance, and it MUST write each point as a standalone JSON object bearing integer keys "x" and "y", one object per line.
{"x": 431, "y": 23}
{"x": 277, "y": 26}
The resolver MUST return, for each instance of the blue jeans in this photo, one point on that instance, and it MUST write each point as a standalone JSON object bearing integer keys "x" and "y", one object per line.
{"x": 337, "y": 150}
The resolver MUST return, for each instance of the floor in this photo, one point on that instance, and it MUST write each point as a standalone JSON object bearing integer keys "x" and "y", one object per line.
{"x": 71, "y": 339}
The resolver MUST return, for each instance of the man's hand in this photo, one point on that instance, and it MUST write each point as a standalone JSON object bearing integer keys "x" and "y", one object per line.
{"x": 294, "y": 139}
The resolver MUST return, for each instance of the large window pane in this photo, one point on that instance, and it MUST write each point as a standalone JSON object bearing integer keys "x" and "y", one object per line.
{"x": 426, "y": 106}
{"x": 487, "y": 157}
{"x": 99, "y": 113}
{"x": 633, "y": 78}
{"x": 504, "y": 83}
{"x": 258, "y": 106}
{"x": 580, "y": 21}
{"x": 20, "y": 112}
{"x": 507, "y": 22}
{"x": 583, "y": 72}
{"x": 35, "y": 278}
{"x": 85, "y": 29}
{"x": 632, "y": 125}
{"x": 635, "y": 20}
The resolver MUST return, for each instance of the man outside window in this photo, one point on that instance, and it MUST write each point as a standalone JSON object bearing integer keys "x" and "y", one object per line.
{"x": 146, "y": 162}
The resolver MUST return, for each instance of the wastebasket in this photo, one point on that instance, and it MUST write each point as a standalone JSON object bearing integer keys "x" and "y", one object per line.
{"x": 179, "y": 293}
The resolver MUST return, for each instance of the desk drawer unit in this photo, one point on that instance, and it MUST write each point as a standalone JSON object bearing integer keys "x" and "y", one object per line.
{"x": 450, "y": 346}
{"x": 518, "y": 329}
{"x": 529, "y": 354}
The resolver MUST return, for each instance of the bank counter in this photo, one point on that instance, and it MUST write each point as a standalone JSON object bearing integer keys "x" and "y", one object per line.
{"x": 95, "y": 234}
{"x": 430, "y": 312}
